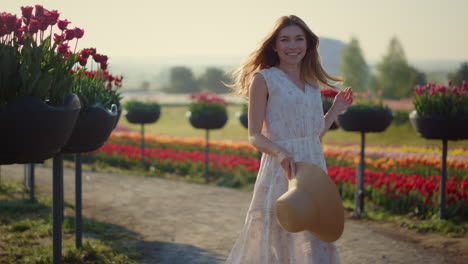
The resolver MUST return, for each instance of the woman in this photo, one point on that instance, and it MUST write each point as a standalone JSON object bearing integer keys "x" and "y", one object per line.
{"x": 282, "y": 79}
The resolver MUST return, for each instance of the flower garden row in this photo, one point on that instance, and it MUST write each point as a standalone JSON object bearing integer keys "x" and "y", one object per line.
{"x": 398, "y": 180}
{"x": 400, "y": 159}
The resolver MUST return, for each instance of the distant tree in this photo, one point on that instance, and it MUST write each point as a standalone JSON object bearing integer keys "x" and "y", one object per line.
{"x": 353, "y": 67}
{"x": 460, "y": 75}
{"x": 419, "y": 77}
{"x": 181, "y": 80}
{"x": 212, "y": 81}
{"x": 393, "y": 75}
{"x": 145, "y": 85}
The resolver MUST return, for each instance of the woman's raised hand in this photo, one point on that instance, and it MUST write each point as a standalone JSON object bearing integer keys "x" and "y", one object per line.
{"x": 343, "y": 99}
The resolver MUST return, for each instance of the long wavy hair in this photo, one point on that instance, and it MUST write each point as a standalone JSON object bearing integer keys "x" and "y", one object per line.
{"x": 265, "y": 57}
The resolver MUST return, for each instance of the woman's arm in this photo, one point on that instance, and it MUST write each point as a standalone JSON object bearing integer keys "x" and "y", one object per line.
{"x": 342, "y": 101}
{"x": 258, "y": 96}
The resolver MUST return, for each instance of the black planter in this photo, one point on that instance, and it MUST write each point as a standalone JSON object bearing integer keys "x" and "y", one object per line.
{"x": 334, "y": 126}
{"x": 440, "y": 127}
{"x": 33, "y": 131}
{"x": 365, "y": 121}
{"x": 244, "y": 120}
{"x": 92, "y": 130}
{"x": 207, "y": 121}
{"x": 119, "y": 113}
{"x": 142, "y": 117}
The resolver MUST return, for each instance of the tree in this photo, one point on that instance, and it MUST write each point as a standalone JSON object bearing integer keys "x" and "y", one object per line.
{"x": 181, "y": 80}
{"x": 419, "y": 77}
{"x": 145, "y": 85}
{"x": 460, "y": 75}
{"x": 393, "y": 75}
{"x": 212, "y": 81}
{"x": 353, "y": 67}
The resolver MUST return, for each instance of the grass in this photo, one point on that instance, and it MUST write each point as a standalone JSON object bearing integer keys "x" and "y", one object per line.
{"x": 26, "y": 233}
{"x": 173, "y": 122}
{"x": 448, "y": 228}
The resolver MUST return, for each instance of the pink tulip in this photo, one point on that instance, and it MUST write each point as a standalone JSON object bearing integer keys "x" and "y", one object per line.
{"x": 456, "y": 91}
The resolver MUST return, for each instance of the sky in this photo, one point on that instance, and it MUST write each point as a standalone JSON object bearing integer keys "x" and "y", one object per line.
{"x": 427, "y": 29}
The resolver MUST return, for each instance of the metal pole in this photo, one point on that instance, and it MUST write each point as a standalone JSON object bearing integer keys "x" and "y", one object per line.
{"x": 359, "y": 191}
{"x": 443, "y": 180}
{"x": 207, "y": 149}
{"x": 31, "y": 182}
{"x": 25, "y": 177}
{"x": 78, "y": 189}
{"x": 143, "y": 145}
{"x": 57, "y": 208}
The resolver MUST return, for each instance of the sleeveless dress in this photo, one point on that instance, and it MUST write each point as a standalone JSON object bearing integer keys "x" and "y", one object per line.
{"x": 294, "y": 119}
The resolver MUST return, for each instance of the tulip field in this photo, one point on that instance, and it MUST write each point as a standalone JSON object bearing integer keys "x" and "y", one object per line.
{"x": 400, "y": 179}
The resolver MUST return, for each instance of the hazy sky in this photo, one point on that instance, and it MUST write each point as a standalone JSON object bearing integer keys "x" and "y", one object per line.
{"x": 427, "y": 29}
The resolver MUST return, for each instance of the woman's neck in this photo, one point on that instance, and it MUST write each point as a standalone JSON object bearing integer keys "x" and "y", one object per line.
{"x": 293, "y": 70}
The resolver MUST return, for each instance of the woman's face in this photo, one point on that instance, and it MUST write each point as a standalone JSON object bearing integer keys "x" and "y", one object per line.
{"x": 291, "y": 45}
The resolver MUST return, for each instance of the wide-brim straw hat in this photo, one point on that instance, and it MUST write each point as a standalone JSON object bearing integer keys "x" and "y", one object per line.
{"x": 312, "y": 203}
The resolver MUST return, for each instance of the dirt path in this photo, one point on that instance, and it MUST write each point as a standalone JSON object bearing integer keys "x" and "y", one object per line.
{"x": 182, "y": 223}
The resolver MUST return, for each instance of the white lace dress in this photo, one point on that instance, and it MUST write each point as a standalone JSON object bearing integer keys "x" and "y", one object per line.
{"x": 294, "y": 119}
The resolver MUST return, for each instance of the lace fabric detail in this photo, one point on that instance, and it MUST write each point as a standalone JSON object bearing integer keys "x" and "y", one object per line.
{"x": 294, "y": 120}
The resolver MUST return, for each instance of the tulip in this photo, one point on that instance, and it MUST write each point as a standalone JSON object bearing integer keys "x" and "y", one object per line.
{"x": 78, "y": 32}
{"x": 82, "y": 61}
{"x": 63, "y": 48}
{"x": 27, "y": 11}
{"x": 69, "y": 34}
{"x": 62, "y": 24}
{"x": 58, "y": 38}
{"x": 39, "y": 11}
{"x": 33, "y": 26}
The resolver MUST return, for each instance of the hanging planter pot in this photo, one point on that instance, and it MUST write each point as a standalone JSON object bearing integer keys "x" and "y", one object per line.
{"x": 142, "y": 112}
{"x": 119, "y": 113}
{"x": 92, "y": 129}
{"x": 365, "y": 120}
{"x": 243, "y": 119}
{"x": 334, "y": 126}
{"x": 33, "y": 131}
{"x": 206, "y": 120}
{"x": 439, "y": 126}
{"x": 142, "y": 117}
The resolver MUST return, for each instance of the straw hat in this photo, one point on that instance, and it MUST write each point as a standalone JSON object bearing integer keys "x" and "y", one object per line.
{"x": 311, "y": 203}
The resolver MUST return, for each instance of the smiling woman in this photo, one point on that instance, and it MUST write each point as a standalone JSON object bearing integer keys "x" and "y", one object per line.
{"x": 282, "y": 80}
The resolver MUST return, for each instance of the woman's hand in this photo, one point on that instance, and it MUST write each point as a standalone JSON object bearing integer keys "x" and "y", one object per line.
{"x": 343, "y": 99}
{"x": 287, "y": 162}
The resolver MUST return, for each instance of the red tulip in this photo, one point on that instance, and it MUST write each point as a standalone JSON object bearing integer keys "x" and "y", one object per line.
{"x": 328, "y": 92}
{"x": 69, "y": 34}
{"x": 54, "y": 16}
{"x": 27, "y": 11}
{"x": 33, "y": 26}
{"x": 82, "y": 61}
{"x": 39, "y": 11}
{"x": 63, "y": 24}
{"x": 58, "y": 38}
{"x": 62, "y": 48}
{"x": 78, "y": 32}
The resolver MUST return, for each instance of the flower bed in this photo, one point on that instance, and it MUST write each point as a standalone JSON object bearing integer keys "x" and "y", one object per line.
{"x": 401, "y": 179}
